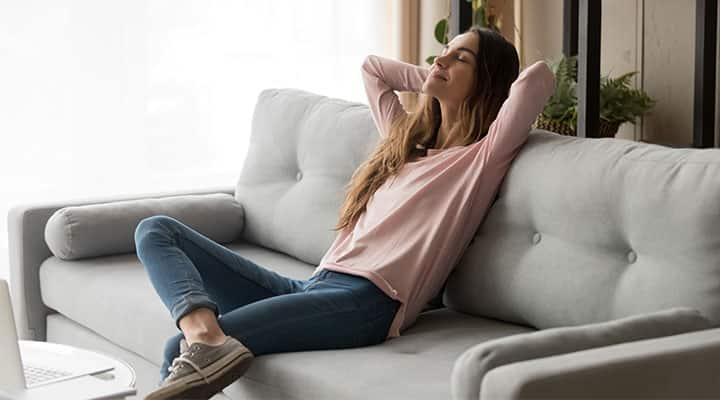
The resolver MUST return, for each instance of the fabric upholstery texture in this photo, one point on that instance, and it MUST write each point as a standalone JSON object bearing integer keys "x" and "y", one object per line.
{"x": 28, "y": 249}
{"x": 671, "y": 367}
{"x": 96, "y": 230}
{"x": 106, "y": 283}
{"x": 414, "y": 366}
{"x": 589, "y": 230}
{"x": 291, "y": 184}
{"x": 473, "y": 364}
{"x": 435, "y": 341}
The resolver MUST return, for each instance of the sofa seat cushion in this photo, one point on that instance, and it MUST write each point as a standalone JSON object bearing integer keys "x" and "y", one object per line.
{"x": 416, "y": 365}
{"x": 113, "y": 296}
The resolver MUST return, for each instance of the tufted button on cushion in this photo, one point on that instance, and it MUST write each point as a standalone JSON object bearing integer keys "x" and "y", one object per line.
{"x": 592, "y": 238}
{"x": 536, "y": 238}
{"x": 306, "y": 138}
{"x": 631, "y": 257}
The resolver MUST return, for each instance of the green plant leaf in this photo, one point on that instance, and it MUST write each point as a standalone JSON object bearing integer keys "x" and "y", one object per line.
{"x": 619, "y": 101}
{"x": 441, "y": 31}
{"x": 430, "y": 59}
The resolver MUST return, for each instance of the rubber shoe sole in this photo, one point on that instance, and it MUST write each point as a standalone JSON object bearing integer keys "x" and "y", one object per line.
{"x": 220, "y": 374}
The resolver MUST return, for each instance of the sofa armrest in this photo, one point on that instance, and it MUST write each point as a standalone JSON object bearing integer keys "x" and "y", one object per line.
{"x": 470, "y": 369}
{"x": 678, "y": 366}
{"x": 27, "y": 250}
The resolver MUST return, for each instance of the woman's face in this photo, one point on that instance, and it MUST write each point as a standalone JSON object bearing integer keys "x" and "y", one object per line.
{"x": 452, "y": 75}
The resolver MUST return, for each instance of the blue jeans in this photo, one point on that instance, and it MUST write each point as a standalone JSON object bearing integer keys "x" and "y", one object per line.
{"x": 267, "y": 312}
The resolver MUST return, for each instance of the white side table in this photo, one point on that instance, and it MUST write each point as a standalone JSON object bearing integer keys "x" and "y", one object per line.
{"x": 114, "y": 384}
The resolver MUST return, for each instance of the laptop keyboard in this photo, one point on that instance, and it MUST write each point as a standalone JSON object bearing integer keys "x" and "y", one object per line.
{"x": 35, "y": 374}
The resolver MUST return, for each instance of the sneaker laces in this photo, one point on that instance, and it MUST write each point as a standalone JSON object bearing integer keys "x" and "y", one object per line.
{"x": 174, "y": 368}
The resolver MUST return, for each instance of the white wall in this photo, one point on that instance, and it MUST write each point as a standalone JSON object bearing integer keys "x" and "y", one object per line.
{"x": 110, "y": 97}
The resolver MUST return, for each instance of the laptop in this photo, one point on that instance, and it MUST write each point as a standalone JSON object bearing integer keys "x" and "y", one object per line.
{"x": 34, "y": 368}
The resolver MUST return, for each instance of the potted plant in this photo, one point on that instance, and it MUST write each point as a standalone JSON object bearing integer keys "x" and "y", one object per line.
{"x": 619, "y": 102}
{"x": 482, "y": 15}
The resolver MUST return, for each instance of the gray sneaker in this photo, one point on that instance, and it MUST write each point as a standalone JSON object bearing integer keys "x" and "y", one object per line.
{"x": 202, "y": 370}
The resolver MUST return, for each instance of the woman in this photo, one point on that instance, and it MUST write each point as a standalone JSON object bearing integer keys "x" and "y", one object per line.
{"x": 410, "y": 211}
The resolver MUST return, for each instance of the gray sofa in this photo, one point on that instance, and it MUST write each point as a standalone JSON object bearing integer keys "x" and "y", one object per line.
{"x": 595, "y": 274}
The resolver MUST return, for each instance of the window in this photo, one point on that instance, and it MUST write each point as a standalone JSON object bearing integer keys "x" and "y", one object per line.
{"x": 103, "y": 98}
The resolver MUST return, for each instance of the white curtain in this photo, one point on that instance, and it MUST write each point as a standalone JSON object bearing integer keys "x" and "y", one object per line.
{"x": 119, "y": 97}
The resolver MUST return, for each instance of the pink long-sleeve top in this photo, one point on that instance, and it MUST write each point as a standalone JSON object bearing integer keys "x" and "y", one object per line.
{"x": 417, "y": 225}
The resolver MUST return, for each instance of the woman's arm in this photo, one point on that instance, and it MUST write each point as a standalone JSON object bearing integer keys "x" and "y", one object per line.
{"x": 527, "y": 98}
{"x": 382, "y": 76}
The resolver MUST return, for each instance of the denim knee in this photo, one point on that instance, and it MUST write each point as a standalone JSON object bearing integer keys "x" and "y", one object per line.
{"x": 159, "y": 224}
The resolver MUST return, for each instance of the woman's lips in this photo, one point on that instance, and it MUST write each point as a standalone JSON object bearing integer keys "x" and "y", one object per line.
{"x": 438, "y": 76}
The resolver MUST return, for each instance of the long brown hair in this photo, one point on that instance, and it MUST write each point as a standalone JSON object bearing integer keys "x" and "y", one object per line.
{"x": 497, "y": 67}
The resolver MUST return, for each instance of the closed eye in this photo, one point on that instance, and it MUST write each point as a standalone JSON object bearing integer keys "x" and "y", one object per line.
{"x": 458, "y": 54}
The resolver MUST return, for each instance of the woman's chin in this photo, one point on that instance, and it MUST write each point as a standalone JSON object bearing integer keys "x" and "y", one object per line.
{"x": 431, "y": 90}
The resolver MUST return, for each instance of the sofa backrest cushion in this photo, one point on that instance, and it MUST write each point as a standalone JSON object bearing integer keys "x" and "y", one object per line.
{"x": 303, "y": 150}
{"x": 588, "y": 230}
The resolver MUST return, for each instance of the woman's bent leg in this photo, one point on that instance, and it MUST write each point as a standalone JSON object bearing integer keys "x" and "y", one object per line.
{"x": 189, "y": 271}
{"x": 332, "y": 311}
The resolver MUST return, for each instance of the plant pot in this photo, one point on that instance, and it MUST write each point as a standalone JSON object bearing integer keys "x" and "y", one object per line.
{"x": 606, "y": 129}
